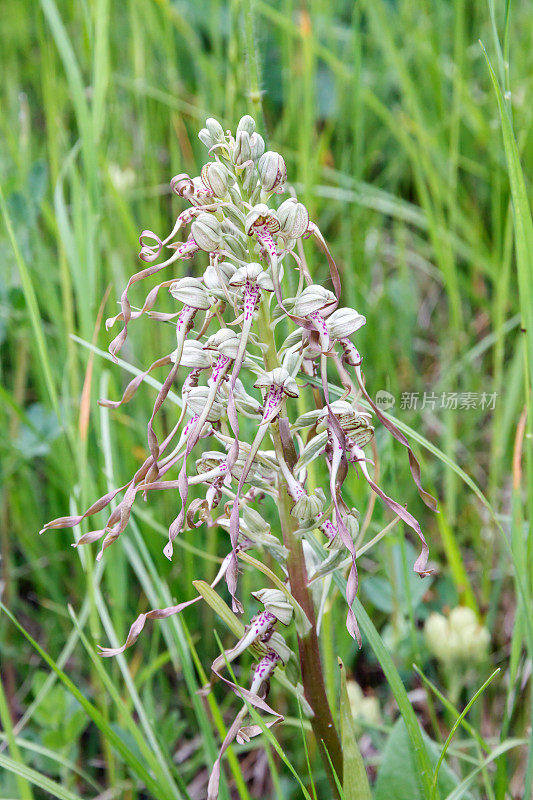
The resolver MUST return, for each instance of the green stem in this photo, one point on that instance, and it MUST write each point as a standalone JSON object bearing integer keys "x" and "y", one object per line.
{"x": 324, "y": 729}
{"x": 252, "y": 50}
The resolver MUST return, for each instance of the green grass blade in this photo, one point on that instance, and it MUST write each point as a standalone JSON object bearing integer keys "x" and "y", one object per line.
{"x": 53, "y": 755}
{"x": 5, "y": 718}
{"x": 145, "y": 738}
{"x": 77, "y": 90}
{"x": 33, "y": 308}
{"x": 38, "y": 779}
{"x": 510, "y": 744}
{"x": 110, "y": 734}
{"x": 456, "y": 724}
{"x": 393, "y": 677}
{"x": 523, "y": 223}
{"x": 355, "y": 783}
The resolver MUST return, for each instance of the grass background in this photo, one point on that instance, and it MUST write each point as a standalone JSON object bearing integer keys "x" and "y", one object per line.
{"x": 392, "y": 132}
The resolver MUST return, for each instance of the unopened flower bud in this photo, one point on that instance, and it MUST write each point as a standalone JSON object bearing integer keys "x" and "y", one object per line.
{"x": 246, "y": 123}
{"x": 234, "y": 246}
{"x": 206, "y": 232}
{"x": 242, "y": 151}
{"x": 275, "y": 601}
{"x": 205, "y": 138}
{"x": 216, "y": 177}
{"x": 344, "y": 322}
{"x": 313, "y": 298}
{"x": 216, "y": 131}
{"x": 293, "y": 218}
{"x": 351, "y": 522}
{"x": 307, "y": 507}
{"x": 196, "y": 401}
{"x": 257, "y": 146}
{"x": 212, "y": 134}
{"x": 272, "y": 171}
{"x": 234, "y": 214}
{"x": 190, "y": 292}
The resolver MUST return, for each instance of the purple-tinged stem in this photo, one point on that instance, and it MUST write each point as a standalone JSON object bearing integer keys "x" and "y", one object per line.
{"x": 322, "y": 723}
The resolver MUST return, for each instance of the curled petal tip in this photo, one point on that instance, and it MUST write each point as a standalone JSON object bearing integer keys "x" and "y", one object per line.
{"x": 424, "y": 573}
{"x": 237, "y": 606}
{"x": 107, "y": 652}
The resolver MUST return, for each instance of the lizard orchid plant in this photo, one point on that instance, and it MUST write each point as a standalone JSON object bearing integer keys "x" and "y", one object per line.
{"x": 256, "y": 339}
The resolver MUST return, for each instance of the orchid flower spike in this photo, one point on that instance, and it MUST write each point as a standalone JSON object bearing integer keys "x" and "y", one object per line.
{"x": 255, "y": 338}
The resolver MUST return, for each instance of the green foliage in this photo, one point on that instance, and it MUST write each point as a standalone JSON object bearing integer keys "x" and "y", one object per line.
{"x": 355, "y": 785}
{"x": 397, "y": 775}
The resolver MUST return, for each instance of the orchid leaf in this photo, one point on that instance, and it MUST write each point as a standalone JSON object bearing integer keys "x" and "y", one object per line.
{"x": 355, "y": 780}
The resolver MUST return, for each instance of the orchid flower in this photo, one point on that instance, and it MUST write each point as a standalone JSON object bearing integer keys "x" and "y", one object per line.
{"x": 246, "y": 344}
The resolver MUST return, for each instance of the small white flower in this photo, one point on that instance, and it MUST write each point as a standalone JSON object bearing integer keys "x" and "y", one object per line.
{"x": 344, "y": 322}
{"x": 224, "y": 341}
{"x": 313, "y": 299}
{"x": 193, "y": 355}
{"x": 275, "y": 601}
{"x": 242, "y": 152}
{"x": 280, "y": 379}
{"x": 257, "y": 146}
{"x": 252, "y": 273}
{"x": 261, "y": 216}
{"x": 190, "y": 292}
